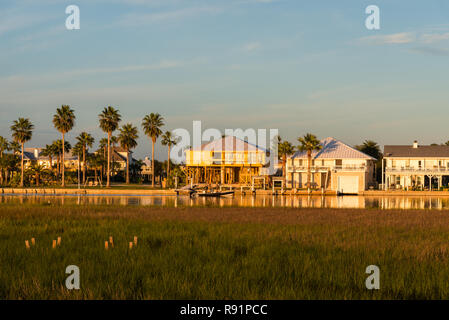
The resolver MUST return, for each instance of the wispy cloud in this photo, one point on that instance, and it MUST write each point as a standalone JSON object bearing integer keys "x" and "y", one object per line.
{"x": 431, "y": 50}
{"x": 33, "y": 80}
{"x": 405, "y": 37}
{"x": 136, "y": 19}
{"x": 12, "y": 20}
{"x": 434, "y": 37}
{"x": 395, "y": 38}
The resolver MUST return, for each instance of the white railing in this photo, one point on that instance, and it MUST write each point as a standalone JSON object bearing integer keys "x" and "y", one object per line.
{"x": 324, "y": 168}
{"x": 435, "y": 169}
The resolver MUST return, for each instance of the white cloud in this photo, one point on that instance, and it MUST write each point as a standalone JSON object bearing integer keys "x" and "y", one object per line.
{"x": 434, "y": 37}
{"x": 395, "y": 38}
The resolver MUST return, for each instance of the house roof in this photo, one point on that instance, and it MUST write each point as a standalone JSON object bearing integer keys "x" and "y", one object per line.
{"x": 334, "y": 149}
{"x": 419, "y": 152}
{"x": 29, "y": 154}
{"x": 229, "y": 143}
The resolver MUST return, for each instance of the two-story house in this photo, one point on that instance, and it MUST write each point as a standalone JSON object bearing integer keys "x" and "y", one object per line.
{"x": 416, "y": 167}
{"x": 336, "y": 167}
{"x": 228, "y": 160}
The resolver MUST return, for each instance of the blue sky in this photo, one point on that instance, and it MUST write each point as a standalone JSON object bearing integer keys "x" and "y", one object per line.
{"x": 299, "y": 66}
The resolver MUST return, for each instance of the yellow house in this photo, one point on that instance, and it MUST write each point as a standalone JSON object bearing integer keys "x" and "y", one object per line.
{"x": 228, "y": 160}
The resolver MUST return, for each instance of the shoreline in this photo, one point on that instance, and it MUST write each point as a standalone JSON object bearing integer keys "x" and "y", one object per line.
{"x": 172, "y": 192}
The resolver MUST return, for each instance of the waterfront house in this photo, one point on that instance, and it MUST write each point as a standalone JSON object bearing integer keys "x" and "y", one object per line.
{"x": 228, "y": 160}
{"x": 415, "y": 167}
{"x": 336, "y": 167}
{"x": 34, "y": 155}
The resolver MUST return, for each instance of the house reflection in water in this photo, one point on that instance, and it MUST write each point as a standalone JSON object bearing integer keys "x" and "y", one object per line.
{"x": 345, "y": 202}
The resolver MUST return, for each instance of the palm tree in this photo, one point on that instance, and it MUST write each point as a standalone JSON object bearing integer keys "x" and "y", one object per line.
{"x": 78, "y": 150}
{"x": 86, "y": 140}
{"x": 22, "y": 132}
{"x": 168, "y": 139}
{"x": 4, "y": 146}
{"x": 103, "y": 147}
{"x": 127, "y": 139}
{"x": 64, "y": 121}
{"x": 285, "y": 149}
{"x": 109, "y": 119}
{"x": 152, "y": 124}
{"x": 370, "y": 148}
{"x": 57, "y": 145}
{"x": 114, "y": 141}
{"x": 14, "y": 146}
{"x": 37, "y": 170}
{"x": 309, "y": 143}
{"x": 50, "y": 151}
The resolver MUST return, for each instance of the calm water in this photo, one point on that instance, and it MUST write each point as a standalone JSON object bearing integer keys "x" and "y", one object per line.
{"x": 416, "y": 202}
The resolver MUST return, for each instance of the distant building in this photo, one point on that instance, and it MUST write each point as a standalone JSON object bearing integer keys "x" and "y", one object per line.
{"x": 337, "y": 166}
{"x": 415, "y": 166}
{"x": 228, "y": 160}
{"x": 146, "y": 168}
{"x": 34, "y": 155}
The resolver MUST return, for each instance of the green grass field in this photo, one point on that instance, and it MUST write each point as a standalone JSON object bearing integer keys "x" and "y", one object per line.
{"x": 223, "y": 253}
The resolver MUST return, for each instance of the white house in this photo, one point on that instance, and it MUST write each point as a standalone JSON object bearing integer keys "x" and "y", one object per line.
{"x": 337, "y": 166}
{"x": 415, "y": 166}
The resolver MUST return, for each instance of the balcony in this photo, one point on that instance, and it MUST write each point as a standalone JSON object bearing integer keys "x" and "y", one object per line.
{"x": 418, "y": 170}
{"x": 328, "y": 168}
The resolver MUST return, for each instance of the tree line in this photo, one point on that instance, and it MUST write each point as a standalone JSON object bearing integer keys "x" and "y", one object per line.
{"x": 64, "y": 121}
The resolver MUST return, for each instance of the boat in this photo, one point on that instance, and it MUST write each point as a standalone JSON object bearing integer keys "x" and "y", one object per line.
{"x": 215, "y": 194}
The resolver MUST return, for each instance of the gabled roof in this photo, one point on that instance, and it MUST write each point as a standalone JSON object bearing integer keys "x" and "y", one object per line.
{"x": 419, "y": 152}
{"x": 229, "y": 143}
{"x": 334, "y": 149}
{"x": 30, "y": 155}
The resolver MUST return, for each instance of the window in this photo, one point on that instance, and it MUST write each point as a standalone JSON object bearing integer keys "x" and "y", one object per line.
{"x": 339, "y": 162}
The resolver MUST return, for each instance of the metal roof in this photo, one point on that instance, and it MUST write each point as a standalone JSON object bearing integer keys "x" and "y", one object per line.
{"x": 419, "y": 152}
{"x": 229, "y": 143}
{"x": 334, "y": 149}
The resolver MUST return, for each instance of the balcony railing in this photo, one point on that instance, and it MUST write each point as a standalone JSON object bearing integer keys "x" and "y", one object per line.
{"x": 435, "y": 169}
{"x": 328, "y": 168}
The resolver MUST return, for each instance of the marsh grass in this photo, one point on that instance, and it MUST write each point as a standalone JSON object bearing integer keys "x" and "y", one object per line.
{"x": 223, "y": 253}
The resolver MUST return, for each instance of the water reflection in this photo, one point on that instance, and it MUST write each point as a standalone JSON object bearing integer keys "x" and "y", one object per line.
{"x": 404, "y": 202}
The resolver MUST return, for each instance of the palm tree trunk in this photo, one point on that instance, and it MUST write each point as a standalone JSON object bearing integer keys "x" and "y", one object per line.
{"x": 168, "y": 163}
{"x": 58, "y": 170}
{"x": 62, "y": 165}
{"x": 108, "y": 182}
{"x": 127, "y": 167}
{"x": 21, "y": 177}
{"x": 152, "y": 163}
{"x": 84, "y": 164}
